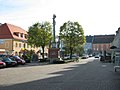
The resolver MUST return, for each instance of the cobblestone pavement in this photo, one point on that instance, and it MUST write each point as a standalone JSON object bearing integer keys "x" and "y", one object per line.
{"x": 88, "y": 74}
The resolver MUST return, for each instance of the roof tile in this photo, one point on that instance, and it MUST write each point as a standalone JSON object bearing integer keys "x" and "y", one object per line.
{"x": 7, "y": 31}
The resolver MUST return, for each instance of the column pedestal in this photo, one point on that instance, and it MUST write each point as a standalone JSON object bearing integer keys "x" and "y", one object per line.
{"x": 54, "y": 55}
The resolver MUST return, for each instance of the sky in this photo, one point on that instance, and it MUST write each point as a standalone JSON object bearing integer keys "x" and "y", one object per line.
{"x": 97, "y": 17}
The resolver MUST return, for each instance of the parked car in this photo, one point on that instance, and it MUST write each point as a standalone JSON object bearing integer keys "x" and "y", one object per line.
{"x": 3, "y": 55}
{"x": 106, "y": 58}
{"x": 90, "y": 55}
{"x": 18, "y": 60}
{"x": 2, "y": 64}
{"x": 85, "y": 56}
{"x": 97, "y": 56}
{"x": 66, "y": 57}
{"x": 9, "y": 62}
{"x": 75, "y": 57}
{"x": 26, "y": 58}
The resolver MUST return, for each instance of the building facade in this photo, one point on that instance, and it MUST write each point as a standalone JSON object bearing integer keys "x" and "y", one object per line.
{"x": 116, "y": 41}
{"x": 88, "y": 45}
{"x": 115, "y": 48}
{"x": 13, "y": 39}
{"x": 102, "y": 43}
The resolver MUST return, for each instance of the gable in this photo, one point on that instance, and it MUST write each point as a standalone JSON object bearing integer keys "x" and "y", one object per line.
{"x": 5, "y": 32}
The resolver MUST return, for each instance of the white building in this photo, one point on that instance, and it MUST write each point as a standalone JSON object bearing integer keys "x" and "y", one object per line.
{"x": 116, "y": 41}
{"x": 116, "y": 45}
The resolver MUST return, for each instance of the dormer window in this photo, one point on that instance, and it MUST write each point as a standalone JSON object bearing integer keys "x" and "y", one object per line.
{"x": 25, "y": 36}
{"x": 21, "y": 35}
{"x": 16, "y": 34}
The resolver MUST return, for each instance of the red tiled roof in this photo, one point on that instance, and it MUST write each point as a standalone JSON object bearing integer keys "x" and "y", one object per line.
{"x": 7, "y": 31}
{"x": 14, "y": 28}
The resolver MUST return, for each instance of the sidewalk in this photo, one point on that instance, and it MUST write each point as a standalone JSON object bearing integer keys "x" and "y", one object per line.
{"x": 37, "y": 63}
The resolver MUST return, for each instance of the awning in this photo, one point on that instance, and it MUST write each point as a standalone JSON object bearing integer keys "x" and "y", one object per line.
{"x": 113, "y": 47}
{"x": 2, "y": 50}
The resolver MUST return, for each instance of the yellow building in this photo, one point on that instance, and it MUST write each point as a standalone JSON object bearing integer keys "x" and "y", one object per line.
{"x": 13, "y": 39}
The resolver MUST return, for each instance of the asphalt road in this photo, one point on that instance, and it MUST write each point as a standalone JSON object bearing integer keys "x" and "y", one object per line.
{"x": 87, "y": 74}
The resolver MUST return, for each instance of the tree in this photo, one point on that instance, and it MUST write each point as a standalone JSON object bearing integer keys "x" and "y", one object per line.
{"x": 40, "y": 34}
{"x": 72, "y": 33}
{"x": 79, "y": 50}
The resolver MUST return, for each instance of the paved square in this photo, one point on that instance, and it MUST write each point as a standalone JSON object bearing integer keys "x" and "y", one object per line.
{"x": 88, "y": 74}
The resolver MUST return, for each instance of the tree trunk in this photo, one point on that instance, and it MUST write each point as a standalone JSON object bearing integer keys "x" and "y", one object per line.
{"x": 71, "y": 50}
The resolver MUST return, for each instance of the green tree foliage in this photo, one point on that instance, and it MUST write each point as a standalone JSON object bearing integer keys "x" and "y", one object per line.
{"x": 79, "y": 50}
{"x": 40, "y": 34}
{"x": 72, "y": 33}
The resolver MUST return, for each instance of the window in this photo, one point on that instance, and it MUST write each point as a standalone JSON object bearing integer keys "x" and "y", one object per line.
{"x": 24, "y": 45}
{"x": 16, "y": 45}
{"x": 104, "y": 46}
{"x": 96, "y": 47}
{"x": 16, "y": 34}
{"x": 21, "y": 35}
{"x": 99, "y": 46}
{"x": 25, "y": 36}
{"x": 20, "y": 45}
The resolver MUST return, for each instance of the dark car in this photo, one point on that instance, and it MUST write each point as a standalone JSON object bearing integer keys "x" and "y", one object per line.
{"x": 18, "y": 60}
{"x": 106, "y": 58}
{"x": 2, "y": 64}
{"x": 3, "y": 55}
{"x": 9, "y": 62}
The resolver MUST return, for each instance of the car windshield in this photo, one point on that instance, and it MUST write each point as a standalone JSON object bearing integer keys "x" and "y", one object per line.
{"x": 17, "y": 57}
{"x": 74, "y": 55}
{"x": 2, "y": 55}
{"x": 7, "y": 59}
{"x": 1, "y": 59}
